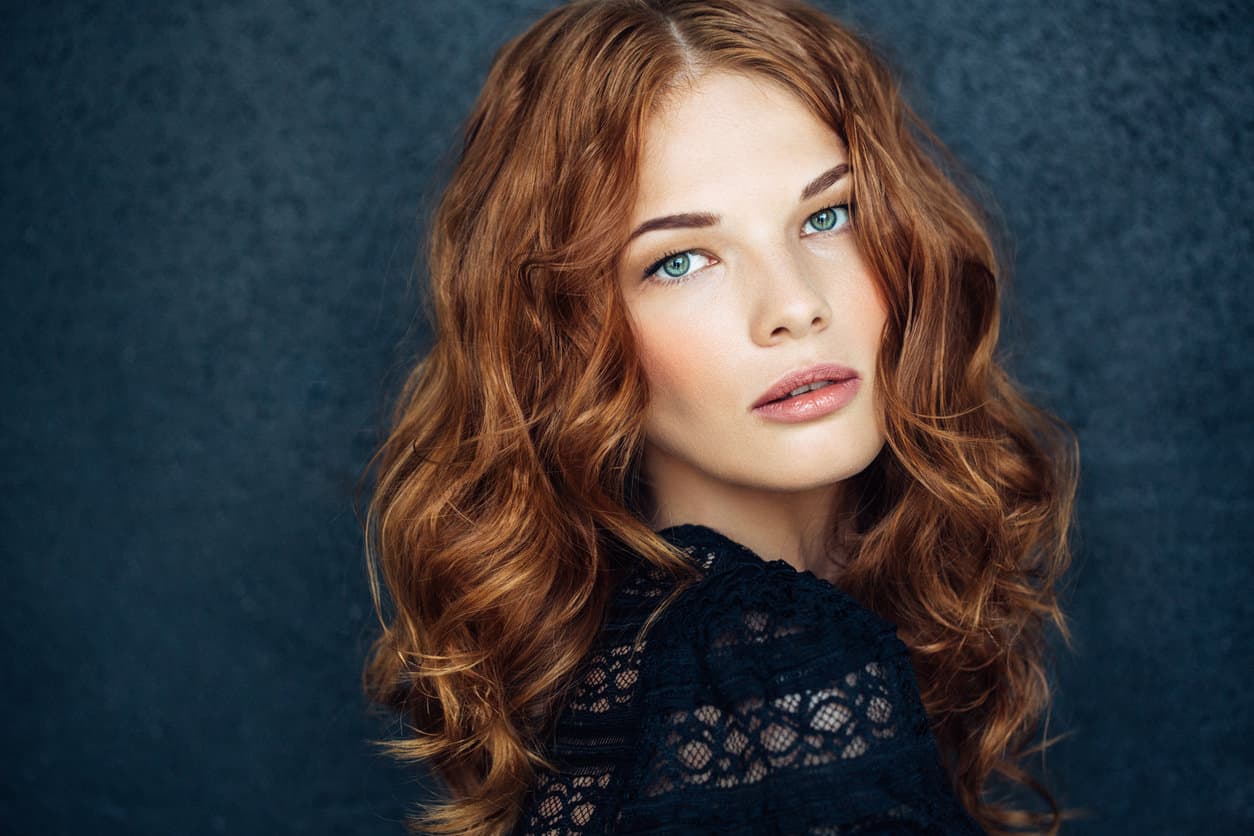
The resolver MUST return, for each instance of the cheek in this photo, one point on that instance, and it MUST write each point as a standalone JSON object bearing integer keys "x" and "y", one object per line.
{"x": 868, "y": 314}
{"x": 876, "y": 319}
{"x": 684, "y": 367}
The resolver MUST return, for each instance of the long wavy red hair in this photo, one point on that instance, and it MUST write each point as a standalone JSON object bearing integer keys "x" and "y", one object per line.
{"x": 509, "y": 474}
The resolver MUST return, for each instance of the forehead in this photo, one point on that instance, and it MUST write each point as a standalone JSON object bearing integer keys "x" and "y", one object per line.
{"x": 730, "y": 131}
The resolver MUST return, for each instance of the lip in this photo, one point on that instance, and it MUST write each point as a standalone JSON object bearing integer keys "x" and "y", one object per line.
{"x": 822, "y": 371}
{"x": 811, "y": 405}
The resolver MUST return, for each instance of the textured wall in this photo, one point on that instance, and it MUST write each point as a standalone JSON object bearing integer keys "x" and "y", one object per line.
{"x": 207, "y": 225}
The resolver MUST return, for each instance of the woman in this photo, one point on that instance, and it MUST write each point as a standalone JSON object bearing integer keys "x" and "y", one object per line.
{"x": 710, "y": 509}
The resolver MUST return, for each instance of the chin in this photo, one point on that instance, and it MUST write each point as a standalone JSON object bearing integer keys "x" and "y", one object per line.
{"x": 798, "y": 482}
{"x": 815, "y": 471}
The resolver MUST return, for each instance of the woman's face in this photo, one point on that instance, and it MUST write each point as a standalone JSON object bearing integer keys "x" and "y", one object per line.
{"x": 765, "y": 281}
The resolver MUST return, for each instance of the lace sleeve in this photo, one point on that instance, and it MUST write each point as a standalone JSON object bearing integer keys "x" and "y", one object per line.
{"x": 788, "y": 708}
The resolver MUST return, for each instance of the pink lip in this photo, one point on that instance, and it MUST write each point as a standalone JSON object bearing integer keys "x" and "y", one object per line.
{"x": 794, "y": 380}
{"x": 811, "y": 405}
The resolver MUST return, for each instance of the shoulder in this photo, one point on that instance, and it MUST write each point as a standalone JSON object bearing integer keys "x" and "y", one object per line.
{"x": 768, "y": 689}
{"x": 758, "y": 650}
{"x": 759, "y": 618}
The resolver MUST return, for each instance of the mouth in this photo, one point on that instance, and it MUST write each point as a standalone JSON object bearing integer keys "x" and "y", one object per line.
{"x": 818, "y": 384}
{"x": 798, "y": 383}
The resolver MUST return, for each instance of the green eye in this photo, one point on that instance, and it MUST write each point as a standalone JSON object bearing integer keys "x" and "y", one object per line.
{"x": 824, "y": 219}
{"x": 827, "y": 219}
{"x": 676, "y": 265}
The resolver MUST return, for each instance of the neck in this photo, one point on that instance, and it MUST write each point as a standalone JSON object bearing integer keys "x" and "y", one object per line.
{"x": 794, "y": 526}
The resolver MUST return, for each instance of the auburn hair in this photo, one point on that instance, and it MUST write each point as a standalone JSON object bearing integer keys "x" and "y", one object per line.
{"x": 510, "y": 470}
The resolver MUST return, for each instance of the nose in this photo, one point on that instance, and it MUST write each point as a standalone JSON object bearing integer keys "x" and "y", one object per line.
{"x": 787, "y": 299}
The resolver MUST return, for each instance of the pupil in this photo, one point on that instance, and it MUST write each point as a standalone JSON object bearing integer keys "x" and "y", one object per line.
{"x": 677, "y": 265}
{"x": 823, "y": 219}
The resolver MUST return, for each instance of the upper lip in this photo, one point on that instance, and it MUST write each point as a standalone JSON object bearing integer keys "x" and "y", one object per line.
{"x": 810, "y": 374}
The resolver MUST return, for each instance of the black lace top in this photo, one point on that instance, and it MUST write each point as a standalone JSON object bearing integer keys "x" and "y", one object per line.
{"x": 764, "y": 701}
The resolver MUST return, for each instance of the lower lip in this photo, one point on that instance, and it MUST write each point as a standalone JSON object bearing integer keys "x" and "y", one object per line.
{"x": 811, "y": 405}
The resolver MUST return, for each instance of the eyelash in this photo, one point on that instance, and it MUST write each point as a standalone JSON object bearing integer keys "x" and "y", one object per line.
{"x": 649, "y": 273}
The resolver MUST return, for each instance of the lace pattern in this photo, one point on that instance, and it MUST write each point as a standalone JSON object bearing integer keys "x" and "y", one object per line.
{"x": 598, "y": 729}
{"x": 766, "y": 701}
{"x": 760, "y": 736}
{"x": 566, "y": 803}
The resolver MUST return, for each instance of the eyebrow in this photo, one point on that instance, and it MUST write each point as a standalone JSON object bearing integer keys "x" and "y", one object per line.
{"x": 690, "y": 220}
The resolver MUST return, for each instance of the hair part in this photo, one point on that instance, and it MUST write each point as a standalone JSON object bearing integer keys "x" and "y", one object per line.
{"x": 508, "y": 502}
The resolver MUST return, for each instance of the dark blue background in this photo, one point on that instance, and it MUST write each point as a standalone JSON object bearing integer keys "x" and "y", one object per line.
{"x": 209, "y": 215}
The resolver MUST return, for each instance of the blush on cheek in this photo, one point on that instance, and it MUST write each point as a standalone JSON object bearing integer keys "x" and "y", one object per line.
{"x": 678, "y": 382}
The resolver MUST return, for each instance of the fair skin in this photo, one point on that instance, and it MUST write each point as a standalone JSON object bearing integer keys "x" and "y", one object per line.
{"x": 776, "y": 284}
